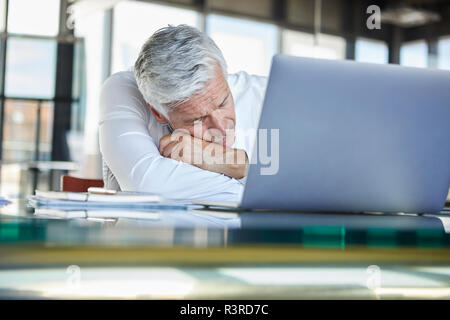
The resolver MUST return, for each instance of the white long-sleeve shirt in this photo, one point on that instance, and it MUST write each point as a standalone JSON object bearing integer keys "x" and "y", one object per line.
{"x": 129, "y": 138}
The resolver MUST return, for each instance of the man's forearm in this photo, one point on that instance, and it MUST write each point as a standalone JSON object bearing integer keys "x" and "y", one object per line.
{"x": 230, "y": 162}
{"x": 204, "y": 154}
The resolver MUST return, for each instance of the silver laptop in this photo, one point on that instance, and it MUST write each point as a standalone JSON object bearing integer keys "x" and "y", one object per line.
{"x": 353, "y": 137}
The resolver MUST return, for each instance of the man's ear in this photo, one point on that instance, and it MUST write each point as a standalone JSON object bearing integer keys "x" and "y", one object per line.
{"x": 158, "y": 116}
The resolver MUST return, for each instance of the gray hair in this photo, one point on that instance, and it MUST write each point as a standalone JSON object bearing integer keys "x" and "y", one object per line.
{"x": 174, "y": 64}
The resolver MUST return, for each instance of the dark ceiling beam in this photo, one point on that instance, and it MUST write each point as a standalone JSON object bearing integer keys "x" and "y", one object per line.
{"x": 429, "y": 31}
{"x": 434, "y": 30}
{"x": 279, "y": 10}
{"x": 200, "y": 4}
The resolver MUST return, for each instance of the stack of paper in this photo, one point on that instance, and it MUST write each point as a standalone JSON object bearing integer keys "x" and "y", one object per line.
{"x": 98, "y": 214}
{"x": 106, "y": 199}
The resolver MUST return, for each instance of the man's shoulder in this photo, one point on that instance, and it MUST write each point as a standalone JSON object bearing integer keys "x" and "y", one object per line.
{"x": 243, "y": 80}
{"x": 120, "y": 96}
{"x": 120, "y": 78}
{"x": 247, "y": 88}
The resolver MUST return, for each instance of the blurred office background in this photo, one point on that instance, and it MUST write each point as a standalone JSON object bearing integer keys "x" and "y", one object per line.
{"x": 55, "y": 55}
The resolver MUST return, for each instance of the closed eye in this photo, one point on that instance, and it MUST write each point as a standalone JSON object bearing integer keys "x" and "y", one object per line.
{"x": 191, "y": 121}
{"x": 224, "y": 101}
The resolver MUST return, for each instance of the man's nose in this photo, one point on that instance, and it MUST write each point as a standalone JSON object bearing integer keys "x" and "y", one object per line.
{"x": 218, "y": 123}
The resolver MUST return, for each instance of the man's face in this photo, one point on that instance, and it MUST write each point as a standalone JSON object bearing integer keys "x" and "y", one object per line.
{"x": 208, "y": 115}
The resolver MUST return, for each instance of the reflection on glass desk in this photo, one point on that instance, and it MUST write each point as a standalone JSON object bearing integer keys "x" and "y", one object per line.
{"x": 220, "y": 254}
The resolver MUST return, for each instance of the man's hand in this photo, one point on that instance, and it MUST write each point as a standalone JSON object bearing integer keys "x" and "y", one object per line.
{"x": 181, "y": 146}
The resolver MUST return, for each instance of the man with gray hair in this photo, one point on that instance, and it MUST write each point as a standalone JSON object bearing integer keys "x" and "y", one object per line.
{"x": 176, "y": 125}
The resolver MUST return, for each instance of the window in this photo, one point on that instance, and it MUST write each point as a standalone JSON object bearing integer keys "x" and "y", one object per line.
{"x": 2, "y": 15}
{"x": 246, "y": 45}
{"x": 30, "y": 72}
{"x": 371, "y": 51}
{"x": 414, "y": 54}
{"x": 90, "y": 28}
{"x": 30, "y": 68}
{"x": 2, "y": 43}
{"x": 298, "y": 43}
{"x": 34, "y": 17}
{"x": 444, "y": 53}
{"x": 21, "y": 130}
{"x": 130, "y": 34}
{"x": 2, "y": 29}
{"x": 302, "y": 44}
{"x": 79, "y": 87}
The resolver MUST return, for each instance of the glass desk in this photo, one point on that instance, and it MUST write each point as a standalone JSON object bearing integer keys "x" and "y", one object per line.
{"x": 213, "y": 254}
